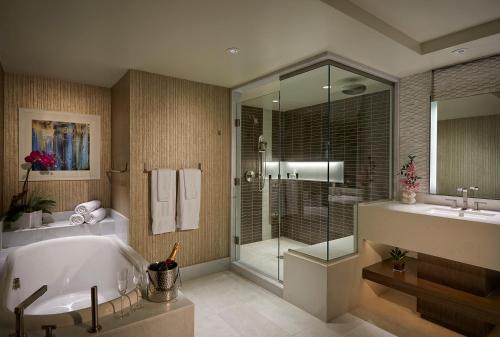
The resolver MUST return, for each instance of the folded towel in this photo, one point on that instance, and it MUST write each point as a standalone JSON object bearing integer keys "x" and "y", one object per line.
{"x": 87, "y": 207}
{"x": 76, "y": 219}
{"x": 192, "y": 183}
{"x": 95, "y": 216}
{"x": 189, "y": 199}
{"x": 163, "y": 212}
{"x": 165, "y": 179}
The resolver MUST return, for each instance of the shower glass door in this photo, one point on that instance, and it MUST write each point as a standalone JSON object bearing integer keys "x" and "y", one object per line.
{"x": 257, "y": 213}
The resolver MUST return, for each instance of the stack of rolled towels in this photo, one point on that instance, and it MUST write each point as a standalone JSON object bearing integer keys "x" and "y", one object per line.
{"x": 89, "y": 212}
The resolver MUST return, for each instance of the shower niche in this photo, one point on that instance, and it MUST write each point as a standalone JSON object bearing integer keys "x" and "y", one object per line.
{"x": 306, "y": 154}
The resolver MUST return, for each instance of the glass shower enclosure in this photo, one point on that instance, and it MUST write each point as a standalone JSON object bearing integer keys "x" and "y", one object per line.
{"x": 306, "y": 155}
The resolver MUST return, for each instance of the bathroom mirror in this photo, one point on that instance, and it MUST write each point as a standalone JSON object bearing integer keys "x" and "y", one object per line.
{"x": 465, "y": 145}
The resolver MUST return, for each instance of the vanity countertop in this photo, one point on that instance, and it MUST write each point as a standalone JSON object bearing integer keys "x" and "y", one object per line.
{"x": 472, "y": 237}
{"x": 485, "y": 216}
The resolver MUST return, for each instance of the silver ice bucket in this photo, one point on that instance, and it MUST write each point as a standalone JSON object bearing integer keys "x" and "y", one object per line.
{"x": 163, "y": 285}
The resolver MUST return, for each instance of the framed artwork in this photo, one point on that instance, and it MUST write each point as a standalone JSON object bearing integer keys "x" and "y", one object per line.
{"x": 75, "y": 140}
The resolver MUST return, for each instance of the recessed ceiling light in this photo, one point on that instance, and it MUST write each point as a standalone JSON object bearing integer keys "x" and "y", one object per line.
{"x": 275, "y": 101}
{"x": 327, "y": 86}
{"x": 459, "y": 51}
{"x": 233, "y": 50}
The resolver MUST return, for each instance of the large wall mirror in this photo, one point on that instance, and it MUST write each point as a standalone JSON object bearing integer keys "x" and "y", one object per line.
{"x": 465, "y": 145}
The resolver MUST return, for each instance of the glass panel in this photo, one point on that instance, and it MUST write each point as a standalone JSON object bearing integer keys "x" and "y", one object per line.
{"x": 340, "y": 154}
{"x": 259, "y": 222}
{"x": 304, "y": 163}
{"x": 361, "y": 139}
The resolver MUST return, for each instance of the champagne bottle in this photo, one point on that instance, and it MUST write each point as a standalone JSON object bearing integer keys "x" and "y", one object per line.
{"x": 170, "y": 261}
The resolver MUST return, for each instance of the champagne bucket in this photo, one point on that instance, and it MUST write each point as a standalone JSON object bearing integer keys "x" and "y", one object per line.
{"x": 163, "y": 285}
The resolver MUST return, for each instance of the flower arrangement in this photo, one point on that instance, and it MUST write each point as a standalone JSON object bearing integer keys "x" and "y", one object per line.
{"x": 20, "y": 203}
{"x": 409, "y": 182}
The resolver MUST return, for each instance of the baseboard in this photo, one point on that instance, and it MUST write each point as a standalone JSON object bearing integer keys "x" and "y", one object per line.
{"x": 263, "y": 281}
{"x": 205, "y": 268}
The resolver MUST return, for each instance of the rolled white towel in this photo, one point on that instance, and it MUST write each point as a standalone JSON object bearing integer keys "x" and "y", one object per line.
{"x": 76, "y": 219}
{"x": 95, "y": 216}
{"x": 87, "y": 207}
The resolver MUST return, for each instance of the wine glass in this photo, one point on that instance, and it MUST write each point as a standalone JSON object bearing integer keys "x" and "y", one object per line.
{"x": 122, "y": 277}
{"x": 136, "y": 278}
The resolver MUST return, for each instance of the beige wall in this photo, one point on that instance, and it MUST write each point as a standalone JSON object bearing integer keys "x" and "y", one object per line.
{"x": 120, "y": 145}
{"x": 25, "y": 91}
{"x": 177, "y": 124}
{"x": 2, "y": 162}
{"x": 468, "y": 154}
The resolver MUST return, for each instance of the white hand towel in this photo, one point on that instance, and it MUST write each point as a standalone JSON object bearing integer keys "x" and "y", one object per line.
{"x": 95, "y": 216}
{"x": 87, "y": 207}
{"x": 76, "y": 219}
{"x": 189, "y": 199}
{"x": 165, "y": 179}
{"x": 163, "y": 212}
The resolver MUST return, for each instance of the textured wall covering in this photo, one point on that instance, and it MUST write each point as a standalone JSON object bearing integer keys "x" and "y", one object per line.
{"x": 177, "y": 124}
{"x": 468, "y": 154}
{"x": 23, "y": 91}
{"x": 2, "y": 162}
{"x": 467, "y": 79}
{"x": 414, "y": 122}
{"x": 120, "y": 145}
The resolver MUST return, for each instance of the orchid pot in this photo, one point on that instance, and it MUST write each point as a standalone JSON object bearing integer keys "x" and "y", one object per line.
{"x": 409, "y": 181}
{"x": 28, "y": 220}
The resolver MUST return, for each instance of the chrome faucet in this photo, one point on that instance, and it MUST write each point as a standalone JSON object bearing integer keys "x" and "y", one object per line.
{"x": 465, "y": 195}
{"x": 464, "y": 191}
{"x": 19, "y": 310}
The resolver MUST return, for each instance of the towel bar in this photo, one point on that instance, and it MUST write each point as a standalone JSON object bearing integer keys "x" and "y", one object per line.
{"x": 146, "y": 170}
{"x": 119, "y": 171}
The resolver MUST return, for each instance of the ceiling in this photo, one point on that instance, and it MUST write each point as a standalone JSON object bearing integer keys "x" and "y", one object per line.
{"x": 95, "y": 41}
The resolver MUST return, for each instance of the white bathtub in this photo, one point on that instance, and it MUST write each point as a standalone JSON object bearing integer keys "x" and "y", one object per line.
{"x": 69, "y": 267}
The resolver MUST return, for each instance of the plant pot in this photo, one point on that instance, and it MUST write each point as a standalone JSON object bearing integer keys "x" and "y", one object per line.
{"x": 399, "y": 266}
{"x": 28, "y": 220}
{"x": 408, "y": 197}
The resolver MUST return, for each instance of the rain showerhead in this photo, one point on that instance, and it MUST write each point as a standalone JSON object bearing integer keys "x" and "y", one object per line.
{"x": 354, "y": 89}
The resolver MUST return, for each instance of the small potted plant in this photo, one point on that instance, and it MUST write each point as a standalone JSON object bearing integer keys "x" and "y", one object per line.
{"x": 398, "y": 259}
{"x": 409, "y": 182}
{"x": 26, "y": 211}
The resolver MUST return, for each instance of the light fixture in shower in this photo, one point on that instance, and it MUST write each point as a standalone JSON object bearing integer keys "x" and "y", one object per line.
{"x": 233, "y": 50}
{"x": 326, "y": 86}
{"x": 276, "y": 101}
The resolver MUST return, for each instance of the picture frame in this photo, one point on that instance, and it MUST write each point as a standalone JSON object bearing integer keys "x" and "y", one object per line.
{"x": 74, "y": 138}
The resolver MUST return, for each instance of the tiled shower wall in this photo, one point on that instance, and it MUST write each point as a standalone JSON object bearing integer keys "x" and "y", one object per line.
{"x": 360, "y": 136}
{"x": 251, "y": 198}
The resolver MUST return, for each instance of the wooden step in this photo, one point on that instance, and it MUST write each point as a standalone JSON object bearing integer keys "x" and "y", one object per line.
{"x": 486, "y": 309}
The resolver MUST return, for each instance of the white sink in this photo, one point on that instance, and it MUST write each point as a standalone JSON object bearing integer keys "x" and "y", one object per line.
{"x": 458, "y": 213}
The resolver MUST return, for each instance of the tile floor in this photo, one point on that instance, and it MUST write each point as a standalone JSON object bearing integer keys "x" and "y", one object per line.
{"x": 228, "y": 305}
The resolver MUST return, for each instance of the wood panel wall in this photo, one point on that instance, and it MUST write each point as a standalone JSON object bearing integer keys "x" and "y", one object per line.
{"x": 26, "y": 91}
{"x": 177, "y": 124}
{"x": 120, "y": 145}
{"x": 468, "y": 155}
